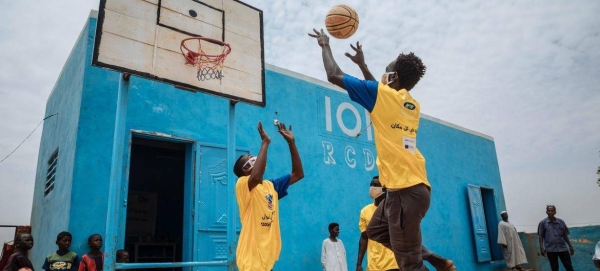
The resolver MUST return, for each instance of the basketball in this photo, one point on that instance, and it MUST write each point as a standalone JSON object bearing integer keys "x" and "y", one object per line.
{"x": 341, "y": 21}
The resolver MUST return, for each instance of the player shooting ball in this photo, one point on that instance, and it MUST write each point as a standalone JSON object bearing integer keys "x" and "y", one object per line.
{"x": 258, "y": 201}
{"x": 395, "y": 115}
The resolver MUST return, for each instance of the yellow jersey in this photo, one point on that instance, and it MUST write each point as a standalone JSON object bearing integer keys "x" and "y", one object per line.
{"x": 396, "y": 121}
{"x": 379, "y": 258}
{"x": 395, "y": 116}
{"x": 259, "y": 244}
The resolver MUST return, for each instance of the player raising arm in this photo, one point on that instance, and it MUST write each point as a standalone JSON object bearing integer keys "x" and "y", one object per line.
{"x": 259, "y": 244}
{"x": 395, "y": 116}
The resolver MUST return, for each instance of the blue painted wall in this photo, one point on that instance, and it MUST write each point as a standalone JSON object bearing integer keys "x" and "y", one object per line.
{"x": 51, "y": 214}
{"x": 338, "y": 165}
{"x": 455, "y": 159}
{"x": 583, "y": 239}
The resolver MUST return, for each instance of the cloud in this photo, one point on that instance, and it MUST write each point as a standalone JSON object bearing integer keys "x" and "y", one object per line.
{"x": 524, "y": 72}
{"x": 36, "y": 39}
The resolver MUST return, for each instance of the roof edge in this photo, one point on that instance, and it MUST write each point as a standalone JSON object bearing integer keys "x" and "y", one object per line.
{"x": 93, "y": 14}
{"x": 338, "y": 89}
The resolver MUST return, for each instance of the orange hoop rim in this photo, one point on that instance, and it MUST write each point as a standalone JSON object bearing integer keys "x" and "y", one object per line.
{"x": 208, "y": 66}
{"x": 218, "y": 42}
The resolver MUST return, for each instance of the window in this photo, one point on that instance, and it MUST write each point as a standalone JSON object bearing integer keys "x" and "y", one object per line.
{"x": 485, "y": 221}
{"x": 51, "y": 175}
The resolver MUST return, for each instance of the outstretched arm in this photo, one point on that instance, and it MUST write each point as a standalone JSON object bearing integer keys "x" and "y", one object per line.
{"x": 256, "y": 176}
{"x": 362, "y": 248}
{"x": 359, "y": 59}
{"x": 297, "y": 170}
{"x": 335, "y": 75}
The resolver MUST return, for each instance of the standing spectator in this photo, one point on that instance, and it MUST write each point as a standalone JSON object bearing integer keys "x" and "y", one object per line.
{"x": 508, "y": 238}
{"x": 333, "y": 253}
{"x": 18, "y": 260}
{"x": 94, "y": 260}
{"x": 554, "y": 238}
{"x": 62, "y": 259}
{"x": 596, "y": 257}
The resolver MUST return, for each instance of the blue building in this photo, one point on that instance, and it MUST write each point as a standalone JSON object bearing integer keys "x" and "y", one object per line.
{"x": 148, "y": 170}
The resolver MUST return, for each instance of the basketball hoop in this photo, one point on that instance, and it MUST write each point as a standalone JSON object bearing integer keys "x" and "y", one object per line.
{"x": 208, "y": 60}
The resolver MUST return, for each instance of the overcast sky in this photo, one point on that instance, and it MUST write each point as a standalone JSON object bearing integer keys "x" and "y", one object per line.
{"x": 524, "y": 72}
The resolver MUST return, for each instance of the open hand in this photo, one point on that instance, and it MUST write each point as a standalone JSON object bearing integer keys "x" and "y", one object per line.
{"x": 359, "y": 57}
{"x": 543, "y": 252}
{"x": 286, "y": 133}
{"x": 263, "y": 134}
{"x": 321, "y": 37}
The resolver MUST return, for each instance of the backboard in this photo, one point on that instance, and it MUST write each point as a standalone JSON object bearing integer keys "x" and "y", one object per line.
{"x": 143, "y": 37}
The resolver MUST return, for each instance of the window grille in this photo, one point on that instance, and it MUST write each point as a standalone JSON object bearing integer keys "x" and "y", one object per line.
{"x": 51, "y": 175}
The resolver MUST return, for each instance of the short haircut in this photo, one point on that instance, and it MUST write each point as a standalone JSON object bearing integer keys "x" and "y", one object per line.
{"x": 62, "y": 235}
{"x": 375, "y": 178}
{"x": 333, "y": 225}
{"x": 92, "y": 236}
{"x": 18, "y": 239}
{"x": 237, "y": 167}
{"x": 410, "y": 69}
{"x": 121, "y": 252}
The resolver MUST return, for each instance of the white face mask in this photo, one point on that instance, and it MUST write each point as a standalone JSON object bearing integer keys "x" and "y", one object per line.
{"x": 386, "y": 78}
{"x": 376, "y": 192}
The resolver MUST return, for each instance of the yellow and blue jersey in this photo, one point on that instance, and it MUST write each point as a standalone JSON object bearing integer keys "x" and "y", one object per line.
{"x": 259, "y": 244}
{"x": 395, "y": 116}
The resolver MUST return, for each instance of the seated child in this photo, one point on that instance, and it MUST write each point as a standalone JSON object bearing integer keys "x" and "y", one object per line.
{"x": 62, "y": 259}
{"x": 18, "y": 260}
{"x": 94, "y": 260}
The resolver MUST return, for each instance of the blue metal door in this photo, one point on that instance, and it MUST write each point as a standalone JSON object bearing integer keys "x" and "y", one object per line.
{"x": 211, "y": 206}
{"x": 480, "y": 232}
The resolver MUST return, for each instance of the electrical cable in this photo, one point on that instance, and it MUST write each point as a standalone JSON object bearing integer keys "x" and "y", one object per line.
{"x": 28, "y": 136}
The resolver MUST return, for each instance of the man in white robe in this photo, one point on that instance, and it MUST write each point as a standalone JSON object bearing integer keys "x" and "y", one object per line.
{"x": 508, "y": 238}
{"x": 333, "y": 253}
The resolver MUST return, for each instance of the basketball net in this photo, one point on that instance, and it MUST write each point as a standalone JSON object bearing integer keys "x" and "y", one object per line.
{"x": 208, "y": 56}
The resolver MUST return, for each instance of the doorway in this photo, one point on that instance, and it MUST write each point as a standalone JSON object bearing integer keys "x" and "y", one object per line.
{"x": 154, "y": 229}
{"x": 491, "y": 217}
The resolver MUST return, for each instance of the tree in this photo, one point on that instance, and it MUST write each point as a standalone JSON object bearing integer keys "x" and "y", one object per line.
{"x": 598, "y": 172}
